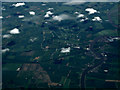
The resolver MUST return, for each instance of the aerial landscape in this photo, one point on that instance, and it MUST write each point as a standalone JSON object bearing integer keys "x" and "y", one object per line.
{"x": 60, "y": 45}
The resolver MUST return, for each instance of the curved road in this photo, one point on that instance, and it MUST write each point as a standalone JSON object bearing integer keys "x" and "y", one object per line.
{"x": 102, "y": 58}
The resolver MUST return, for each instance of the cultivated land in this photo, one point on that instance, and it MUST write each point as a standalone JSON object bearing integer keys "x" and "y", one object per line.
{"x": 60, "y": 50}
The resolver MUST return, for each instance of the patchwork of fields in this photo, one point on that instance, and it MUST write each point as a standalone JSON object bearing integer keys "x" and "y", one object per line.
{"x": 56, "y": 45}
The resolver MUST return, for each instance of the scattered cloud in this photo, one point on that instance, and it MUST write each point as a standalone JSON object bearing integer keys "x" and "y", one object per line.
{"x": 65, "y": 50}
{"x": 96, "y": 19}
{"x": 32, "y": 13}
{"x": 21, "y": 16}
{"x": 6, "y": 36}
{"x": 76, "y": 12}
{"x": 15, "y": 31}
{"x": 5, "y": 50}
{"x": 62, "y": 17}
{"x": 50, "y": 8}
{"x": 43, "y": 4}
{"x": 82, "y": 20}
{"x": 33, "y": 18}
{"x": 91, "y": 10}
{"x": 18, "y": 4}
{"x": 80, "y": 15}
{"x": 48, "y": 14}
{"x": 1, "y": 17}
{"x": 74, "y": 2}
{"x": 77, "y": 47}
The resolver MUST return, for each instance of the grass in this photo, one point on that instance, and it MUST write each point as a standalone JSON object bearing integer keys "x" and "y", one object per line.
{"x": 11, "y": 66}
{"x": 65, "y": 82}
{"x": 107, "y": 32}
{"x": 94, "y": 78}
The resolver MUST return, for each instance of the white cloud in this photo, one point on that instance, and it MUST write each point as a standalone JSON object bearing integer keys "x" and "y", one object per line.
{"x": 18, "y": 69}
{"x": 86, "y": 18}
{"x": 82, "y": 20}
{"x": 105, "y": 70}
{"x": 65, "y": 50}
{"x": 57, "y": 18}
{"x": 91, "y": 10}
{"x": 48, "y": 14}
{"x": 46, "y": 22}
{"x": 15, "y": 31}
{"x": 76, "y": 12}
{"x": 5, "y": 50}
{"x": 80, "y": 15}
{"x": 32, "y": 13}
{"x": 1, "y": 17}
{"x": 75, "y": 2}
{"x": 50, "y": 8}
{"x": 3, "y": 8}
{"x": 43, "y": 4}
{"x": 21, "y": 16}
{"x": 6, "y": 36}
{"x": 77, "y": 47}
{"x": 96, "y": 19}
{"x": 61, "y": 17}
{"x": 88, "y": 49}
{"x": 18, "y": 4}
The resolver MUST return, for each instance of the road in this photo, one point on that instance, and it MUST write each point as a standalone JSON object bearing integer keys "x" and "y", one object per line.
{"x": 95, "y": 54}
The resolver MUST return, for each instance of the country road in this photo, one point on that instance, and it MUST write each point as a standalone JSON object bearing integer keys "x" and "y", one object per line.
{"x": 101, "y": 60}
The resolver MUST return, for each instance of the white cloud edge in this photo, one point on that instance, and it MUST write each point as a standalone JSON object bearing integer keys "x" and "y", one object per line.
{"x": 61, "y": 17}
{"x": 58, "y": 0}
